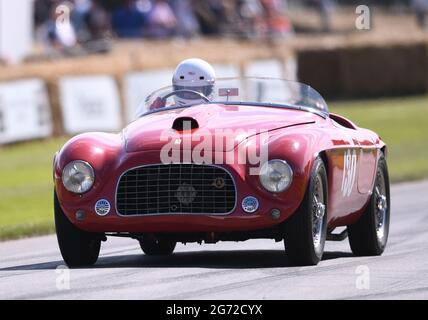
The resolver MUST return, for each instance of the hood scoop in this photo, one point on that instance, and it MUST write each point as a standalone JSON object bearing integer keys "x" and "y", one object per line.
{"x": 185, "y": 124}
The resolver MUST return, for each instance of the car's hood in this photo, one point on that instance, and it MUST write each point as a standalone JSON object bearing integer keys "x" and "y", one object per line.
{"x": 234, "y": 123}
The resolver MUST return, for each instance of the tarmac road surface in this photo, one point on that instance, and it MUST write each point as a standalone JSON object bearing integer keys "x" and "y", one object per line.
{"x": 256, "y": 269}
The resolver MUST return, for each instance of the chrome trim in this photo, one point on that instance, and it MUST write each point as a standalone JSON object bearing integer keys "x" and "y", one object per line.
{"x": 174, "y": 213}
{"x": 291, "y": 180}
{"x": 79, "y": 161}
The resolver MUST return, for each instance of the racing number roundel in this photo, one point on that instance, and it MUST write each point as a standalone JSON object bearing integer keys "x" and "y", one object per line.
{"x": 349, "y": 172}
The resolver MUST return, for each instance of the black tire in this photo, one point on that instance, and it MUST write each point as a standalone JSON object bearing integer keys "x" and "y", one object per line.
{"x": 301, "y": 245}
{"x": 78, "y": 248}
{"x": 153, "y": 246}
{"x": 369, "y": 235}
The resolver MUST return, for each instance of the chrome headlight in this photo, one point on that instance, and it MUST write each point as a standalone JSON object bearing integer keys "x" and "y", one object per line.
{"x": 276, "y": 175}
{"x": 78, "y": 176}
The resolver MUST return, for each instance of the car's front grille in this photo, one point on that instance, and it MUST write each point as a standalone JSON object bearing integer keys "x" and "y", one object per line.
{"x": 176, "y": 188}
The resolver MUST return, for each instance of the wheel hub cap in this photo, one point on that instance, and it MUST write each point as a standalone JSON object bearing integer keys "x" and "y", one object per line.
{"x": 320, "y": 210}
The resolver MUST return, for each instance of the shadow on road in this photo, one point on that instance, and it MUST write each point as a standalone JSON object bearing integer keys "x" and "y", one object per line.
{"x": 248, "y": 259}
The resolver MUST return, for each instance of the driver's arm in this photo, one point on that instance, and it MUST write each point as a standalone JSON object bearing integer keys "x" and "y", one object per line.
{"x": 159, "y": 103}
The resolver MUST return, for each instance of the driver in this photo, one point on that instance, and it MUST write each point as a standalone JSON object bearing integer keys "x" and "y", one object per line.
{"x": 192, "y": 75}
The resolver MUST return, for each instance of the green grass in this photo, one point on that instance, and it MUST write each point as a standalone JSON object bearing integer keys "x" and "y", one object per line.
{"x": 26, "y": 188}
{"x": 26, "y": 178}
{"x": 402, "y": 124}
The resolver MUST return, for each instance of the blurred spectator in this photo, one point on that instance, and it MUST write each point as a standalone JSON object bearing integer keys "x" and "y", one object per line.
{"x": 97, "y": 21}
{"x": 93, "y": 22}
{"x": 210, "y": 15}
{"x": 61, "y": 35}
{"x": 42, "y": 11}
{"x": 78, "y": 14}
{"x": 421, "y": 9}
{"x": 98, "y": 29}
{"x": 251, "y": 14}
{"x": 325, "y": 8}
{"x": 128, "y": 21}
{"x": 162, "y": 20}
{"x": 187, "y": 24}
{"x": 277, "y": 25}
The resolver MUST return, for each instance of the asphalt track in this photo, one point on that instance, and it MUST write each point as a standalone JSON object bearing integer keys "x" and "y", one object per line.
{"x": 247, "y": 270}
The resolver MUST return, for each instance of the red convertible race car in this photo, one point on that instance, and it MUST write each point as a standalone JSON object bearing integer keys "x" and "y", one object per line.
{"x": 258, "y": 158}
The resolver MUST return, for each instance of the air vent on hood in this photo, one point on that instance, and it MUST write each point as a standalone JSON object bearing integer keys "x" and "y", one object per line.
{"x": 185, "y": 123}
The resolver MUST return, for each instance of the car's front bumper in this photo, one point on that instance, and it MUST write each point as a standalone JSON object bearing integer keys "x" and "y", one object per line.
{"x": 81, "y": 209}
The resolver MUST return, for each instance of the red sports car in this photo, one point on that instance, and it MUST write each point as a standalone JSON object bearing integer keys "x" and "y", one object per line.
{"x": 259, "y": 158}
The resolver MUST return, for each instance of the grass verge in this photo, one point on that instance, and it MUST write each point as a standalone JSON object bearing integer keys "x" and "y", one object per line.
{"x": 403, "y": 125}
{"x": 26, "y": 188}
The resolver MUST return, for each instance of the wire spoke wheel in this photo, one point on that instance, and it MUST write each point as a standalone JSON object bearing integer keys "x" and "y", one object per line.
{"x": 369, "y": 235}
{"x": 318, "y": 211}
{"x": 381, "y": 206}
{"x": 306, "y": 230}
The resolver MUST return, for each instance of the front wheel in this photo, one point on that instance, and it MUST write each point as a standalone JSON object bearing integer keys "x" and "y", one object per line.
{"x": 368, "y": 237}
{"x": 153, "y": 246}
{"x": 306, "y": 231}
{"x": 78, "y": 248}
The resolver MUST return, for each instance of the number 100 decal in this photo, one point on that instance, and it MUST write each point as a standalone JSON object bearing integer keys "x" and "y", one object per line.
{"x": 349, "y": 172}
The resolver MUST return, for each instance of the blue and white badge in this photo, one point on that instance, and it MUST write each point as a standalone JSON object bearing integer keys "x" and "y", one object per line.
{"x": 102, "y": 207}
{"x": 250, "y": 204}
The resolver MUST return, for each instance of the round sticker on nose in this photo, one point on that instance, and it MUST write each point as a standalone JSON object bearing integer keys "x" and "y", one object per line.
{"x": 102, "y": 207}
{"x": 250, "y": 204}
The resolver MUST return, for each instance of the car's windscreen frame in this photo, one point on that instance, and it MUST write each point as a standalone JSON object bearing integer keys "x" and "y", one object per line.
{"x": 322, "y": 114}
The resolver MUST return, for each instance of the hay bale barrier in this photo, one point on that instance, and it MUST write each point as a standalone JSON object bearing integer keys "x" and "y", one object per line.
{"x": 368, "y": 71}
{"x": 321, "y": 69}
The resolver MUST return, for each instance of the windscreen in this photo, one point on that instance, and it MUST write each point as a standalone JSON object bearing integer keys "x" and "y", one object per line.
{"x": 250, "y": 91}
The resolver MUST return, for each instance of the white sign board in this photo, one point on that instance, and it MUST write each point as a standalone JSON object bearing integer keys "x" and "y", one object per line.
{"x": 24, "y": 111}
{"x": 278, "y": 91}
{"x": 138, "y": 85}
{"x": 16, "y": 29}
{"x": 226, "y": 71}
{"x": 90, "y": 103}
{"x": 265, "y": 68}
{"x": 291, "y": 69}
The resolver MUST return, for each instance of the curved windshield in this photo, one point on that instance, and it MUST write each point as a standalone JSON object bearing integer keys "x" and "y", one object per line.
{"x": 235, "y": 91}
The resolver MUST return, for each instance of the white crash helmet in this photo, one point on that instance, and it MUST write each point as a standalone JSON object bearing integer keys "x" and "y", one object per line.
{"x": 195, "y": 75}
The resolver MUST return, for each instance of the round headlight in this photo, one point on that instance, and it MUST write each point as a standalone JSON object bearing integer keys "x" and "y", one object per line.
{"x": 78, "y": 176}
{"x": 276, "y": 175}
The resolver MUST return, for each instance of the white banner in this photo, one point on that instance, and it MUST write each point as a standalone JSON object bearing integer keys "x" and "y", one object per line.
{"x": 16, "y": 29}
{"x": 265, "y": 68}
{"x": 226, "y": 71}
{"x": 273, "y": 69}
{"x": 24, "y": 111}
{"x": 291, "y": 69}
{"x": 138, "y": 85}
{"x": 90, "y": 103}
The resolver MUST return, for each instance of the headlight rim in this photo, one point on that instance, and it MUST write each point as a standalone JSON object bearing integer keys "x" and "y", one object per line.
{"x": 88, "y": 165}
{"x": 291, "y": 176}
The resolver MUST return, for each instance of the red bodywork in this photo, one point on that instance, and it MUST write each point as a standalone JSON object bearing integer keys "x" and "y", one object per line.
{"x": 295, "y": 136}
